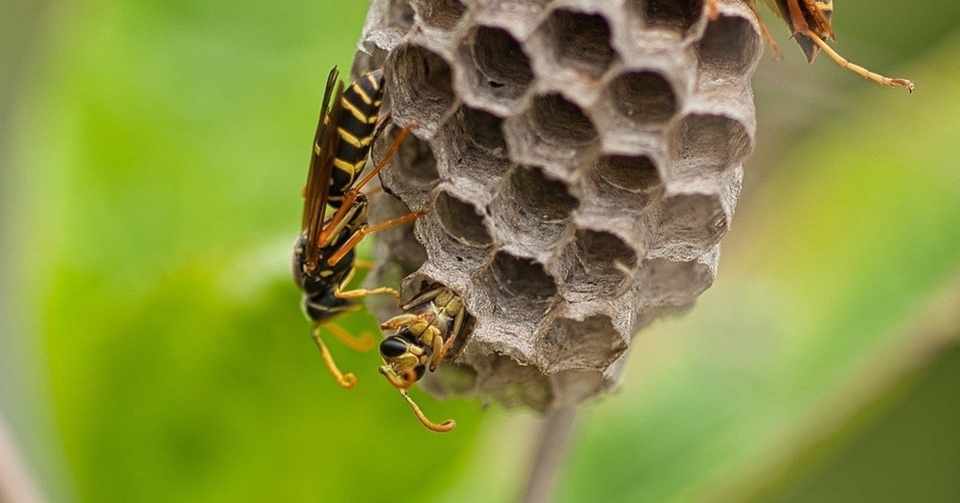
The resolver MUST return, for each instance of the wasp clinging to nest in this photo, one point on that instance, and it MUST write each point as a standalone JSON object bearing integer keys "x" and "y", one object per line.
{"x": 811, "y": 24}
{"x": 423, "y": 336}
{"x": 323, "y": 257}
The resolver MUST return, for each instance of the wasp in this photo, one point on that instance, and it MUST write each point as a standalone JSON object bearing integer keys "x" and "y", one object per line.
{"x": 424, "y": 333}
{"x": 811, "y": 24}
{"x": 324, "y": 262}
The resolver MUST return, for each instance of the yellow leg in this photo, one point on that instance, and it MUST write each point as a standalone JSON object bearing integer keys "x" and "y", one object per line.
{"x": 363, "y": 343}
{"x": 402, "y": 320}
{"x": 347, "y": 380}
{"x": 370, "y": 229}
{"x": 451, "y": 338}
{"x": 857, "y": 69}
{"x": 363, "y": 263}
{"x": 712, "y": 11}
{"x": 341, "y": 293}
{"x": 401, "y": 386}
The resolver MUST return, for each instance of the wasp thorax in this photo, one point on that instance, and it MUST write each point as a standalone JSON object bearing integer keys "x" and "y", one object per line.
{"x": 588, "y": 160}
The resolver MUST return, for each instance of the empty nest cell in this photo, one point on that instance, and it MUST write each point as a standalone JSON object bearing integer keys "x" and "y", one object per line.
{"x": 591, "y": 343}
{"x": 413, "y": 170}
{"x": 532, "y": 210}
{"x": 500, "y": 69}
{"x": 461, "y": 220}
{"x": 670, "y": 15}
{"x": 522, "y": 285}
{"x": 632, "y": 173}
{"x": 559, "y": 121}
{"x": 728, "y": 47}
{"x": 483, "y": 129}
{"x": 442, "y": 14}
{"x": 419, "y": 84}
{"x": 603, "y": 267}
{"x": 663, "y": 282}
{"x": 579, "y": 41}
{"x": 705, "y": 142}
{"x": 642, "y": 97}
{"x": 690, "y": 223}
{"x": 475, "y": 148}
{"x": 400, "y": 15}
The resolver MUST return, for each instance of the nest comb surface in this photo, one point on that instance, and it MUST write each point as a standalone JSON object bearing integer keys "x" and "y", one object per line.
{"x": 581, "y": 161}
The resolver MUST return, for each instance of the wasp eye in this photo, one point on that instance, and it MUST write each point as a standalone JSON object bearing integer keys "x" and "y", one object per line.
{"x": 419, "y": 371}
{"x": 392, "y": 347}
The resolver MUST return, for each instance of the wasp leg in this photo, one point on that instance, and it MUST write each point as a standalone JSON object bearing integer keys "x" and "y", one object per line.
{"x": 347, "y": 380}
{"x": 365, "y": 264}
{"x": 712, "y": 10}
{"x": 342, "y": 293}
{"x": 402, "y": 386}
{"x": 454, "y": 333}
{"x": 363, "y": 343}
{"x": 401, "y": 320}
{"x": 857, "y": 69}
{"x": 370, "y": 229}
{"x": 423, "y": 298}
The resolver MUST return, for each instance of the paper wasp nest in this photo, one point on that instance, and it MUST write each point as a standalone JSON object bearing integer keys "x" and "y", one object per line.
{"x": 581, "y": 159}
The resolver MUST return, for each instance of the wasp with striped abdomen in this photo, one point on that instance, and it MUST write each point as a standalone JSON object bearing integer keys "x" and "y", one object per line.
{"x": 424, "y": 334}
{"x": 324, "y": 261}
{"x": 810, "y": 22}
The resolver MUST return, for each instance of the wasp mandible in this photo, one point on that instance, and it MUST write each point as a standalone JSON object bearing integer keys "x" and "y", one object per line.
{"x": 323, "y": 256}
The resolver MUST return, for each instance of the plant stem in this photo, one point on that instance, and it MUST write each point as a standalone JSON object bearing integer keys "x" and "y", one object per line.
{"x": 548, "y": 454}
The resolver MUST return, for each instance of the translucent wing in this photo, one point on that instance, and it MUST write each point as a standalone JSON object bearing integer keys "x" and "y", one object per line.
{"x": 321, "y": 164}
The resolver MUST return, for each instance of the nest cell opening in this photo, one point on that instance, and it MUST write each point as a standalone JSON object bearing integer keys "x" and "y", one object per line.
{"x": 592, "y": 343}
{"x": 580, "y": 41}
{"x": 400, "y": 15}
{"x": 664, "y": 282}
{"x": 696, "y": 220}
{"x": 633, "y": 173}
{"x": 461, "y": 220}
{"x": 415, "y": 164}
{"x": 503, "y": 68}
{"x": 728, "y": 47}
{"x": 558, "y": 121}
{"x": 709, "y": 141}
{"x": 522, "y": 281}
{"x": 484, "y": 130}
{"x": 604, "y": 265}
{"x": 533, "y": 209}
{"x": 443, "y": 14}
{"x": 643, "y": 97}
{"x": 420, "y": 84}
{"x": 672, "y": 15}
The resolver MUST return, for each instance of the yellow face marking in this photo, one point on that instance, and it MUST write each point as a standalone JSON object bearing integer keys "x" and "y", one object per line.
{"x": 353, "y": 140}
{"x": 360, "y": 92}
{"x": 354, "y": 110}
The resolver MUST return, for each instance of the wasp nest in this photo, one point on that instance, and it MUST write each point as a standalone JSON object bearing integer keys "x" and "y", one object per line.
{"x": 581, "y": 161}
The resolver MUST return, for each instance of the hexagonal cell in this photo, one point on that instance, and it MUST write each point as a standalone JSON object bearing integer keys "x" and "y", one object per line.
{"x": 400, "y": 15}
{"x": 521, "y": 285}
{"x": 690, "y": 223}
{"x": 642, "y": 98}
{"x": 632, "y": 173}
{"x": 556, "y": 120}
{"x": 579, "y": 41}
{"x": 532, "y": 209}
{"x": 419, "y": 86}
{"x": 514, "y": 384}
{"x": 603, "y": 265}
{"x": 475, "y": 149}
{"x": 496, "y": 68}
{"x": 442, "y": 14}
{"x": 592, "y": 343}
{"x": 461, "y": 220}
{"x": 665, "y": 282}
{"x": 729, "y": 47}
{"x": 413, "y": 170}
{"x": 703, "y": 142}
{"x": 676, "y": 16}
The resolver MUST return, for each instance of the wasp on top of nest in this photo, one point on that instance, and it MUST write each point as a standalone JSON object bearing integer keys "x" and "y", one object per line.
{"x": 323, "y": 259}
{"x": 810, "y": 22}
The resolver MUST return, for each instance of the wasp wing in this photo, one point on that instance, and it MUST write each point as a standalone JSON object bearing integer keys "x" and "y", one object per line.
{"x": 321, "y": 163}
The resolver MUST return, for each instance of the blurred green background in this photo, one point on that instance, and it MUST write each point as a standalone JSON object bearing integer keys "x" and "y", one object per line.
{"x": 153, "y": 350}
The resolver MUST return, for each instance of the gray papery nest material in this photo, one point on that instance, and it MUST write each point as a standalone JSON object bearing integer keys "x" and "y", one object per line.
{"x": 581, "y": 161}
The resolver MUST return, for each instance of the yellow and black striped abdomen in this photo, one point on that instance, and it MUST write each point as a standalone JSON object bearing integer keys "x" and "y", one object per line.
{"x": 359, "y": 108}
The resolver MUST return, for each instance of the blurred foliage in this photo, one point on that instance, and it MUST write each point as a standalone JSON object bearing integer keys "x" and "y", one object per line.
{"x": 161, "y": 149}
